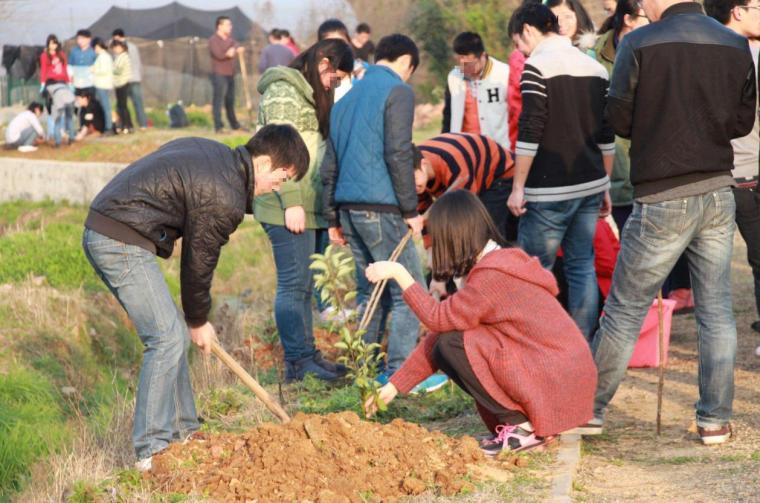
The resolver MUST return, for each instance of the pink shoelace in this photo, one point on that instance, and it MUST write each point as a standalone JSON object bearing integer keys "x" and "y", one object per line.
{"x": 503, "y": 432}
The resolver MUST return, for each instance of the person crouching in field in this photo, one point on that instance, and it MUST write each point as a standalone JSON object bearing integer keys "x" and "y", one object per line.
{"x": 502, "y": 337}
{"x": 198, "y": 190}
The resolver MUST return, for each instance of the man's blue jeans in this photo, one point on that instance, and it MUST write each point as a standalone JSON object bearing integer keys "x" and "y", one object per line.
{"x": 295, "y": 285}
{"x": 373, "y": 236}
{"x": 64, "y": 120}
{"x": 135, "y": 92}
{"x": 104, "y": 98}
{"x": 653, "y": 239}
{"x": 164, "y": 409}
{"x": 571, "y": 224}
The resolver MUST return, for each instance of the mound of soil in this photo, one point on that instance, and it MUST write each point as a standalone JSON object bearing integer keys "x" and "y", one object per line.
{"x": 336, "y": 458}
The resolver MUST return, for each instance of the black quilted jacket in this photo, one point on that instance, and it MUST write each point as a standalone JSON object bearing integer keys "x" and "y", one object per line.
{"x": 192, "y": 188}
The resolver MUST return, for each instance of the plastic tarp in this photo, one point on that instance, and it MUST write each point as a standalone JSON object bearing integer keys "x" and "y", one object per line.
{"x": 172, "y": 21}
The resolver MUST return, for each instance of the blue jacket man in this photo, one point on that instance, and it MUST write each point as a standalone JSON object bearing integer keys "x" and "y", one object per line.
{"x": 369, "y": 196}
{"x": 81, "y": 58}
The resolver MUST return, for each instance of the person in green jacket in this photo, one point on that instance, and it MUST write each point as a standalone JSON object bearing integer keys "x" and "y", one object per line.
{"x": 627, "y": 17}
{"x": 300, "y": 95}
{"x": 102, "y": 79}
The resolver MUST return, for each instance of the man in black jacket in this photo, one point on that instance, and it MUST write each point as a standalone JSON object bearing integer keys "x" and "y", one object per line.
{"x": 682, "y": 88}
{"x": 198, "y": 190}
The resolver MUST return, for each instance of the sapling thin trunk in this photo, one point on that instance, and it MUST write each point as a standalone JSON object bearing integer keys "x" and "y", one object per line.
{"x": 333, "y": 276}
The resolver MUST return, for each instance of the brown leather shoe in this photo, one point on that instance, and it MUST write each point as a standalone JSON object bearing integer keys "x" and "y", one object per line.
{"x": 715, "y": 436}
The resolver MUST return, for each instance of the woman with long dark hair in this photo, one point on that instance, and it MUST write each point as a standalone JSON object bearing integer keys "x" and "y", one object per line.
{"x": 574, "y": 22}
{"x": 301, "y": 95}
{"x": 59, "y": 100}
{"x": 53, "y": 62}
{"x": 502, "y": 337}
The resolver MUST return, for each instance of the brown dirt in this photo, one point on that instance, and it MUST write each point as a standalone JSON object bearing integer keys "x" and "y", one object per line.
{"x": 331, "y": 458}
{"x": 631, "y": 464}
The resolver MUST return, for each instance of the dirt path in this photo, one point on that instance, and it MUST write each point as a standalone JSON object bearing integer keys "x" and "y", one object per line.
{"x": 629, "y": 463}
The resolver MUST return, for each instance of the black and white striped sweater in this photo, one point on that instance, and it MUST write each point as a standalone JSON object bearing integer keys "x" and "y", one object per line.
{"x": 562, "y": 124}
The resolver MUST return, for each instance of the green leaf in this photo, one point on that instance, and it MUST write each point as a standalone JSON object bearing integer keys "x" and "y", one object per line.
{"x": 318, "y": 266}
{"x": 381, "y": 405}
{"x": 349, "y": 296}
{"x": 341, "y": 345}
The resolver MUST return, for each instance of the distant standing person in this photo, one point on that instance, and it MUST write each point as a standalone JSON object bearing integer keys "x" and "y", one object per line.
{"x": 363, "y": 47}
{"x": 53, "y": 63}
{"x": 290, "y": 43}
{"x": 135, "y": 81}
{"x": 53, "y": 70}
{"x": 276, "y": 53}
{"x": 224, "y": 49}
{"x": 122, "y": 72}
{"x": 81, "y": 58}
{"x": 102, "y": 78}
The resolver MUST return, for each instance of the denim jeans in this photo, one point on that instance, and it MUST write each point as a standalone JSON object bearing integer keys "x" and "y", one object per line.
{"x": 372, "y": 237}
{"x": 653, "y": 239}
{"x": 321, "y": 242}
{"x": 135, "y": 92}
{"x": 572, "y": 223}
{"x": 164, "y": 409}
{"x": 295, "y": 285}
{"x": 64, "y": 120}
{"x": 104, "y": 98}
{"x": 224, "y": 90}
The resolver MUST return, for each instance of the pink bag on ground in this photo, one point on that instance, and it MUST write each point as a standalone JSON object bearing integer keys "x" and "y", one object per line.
{"x": 647, "y": 350}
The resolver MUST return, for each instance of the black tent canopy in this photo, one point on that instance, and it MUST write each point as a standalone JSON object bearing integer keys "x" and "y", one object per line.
{"x": 170, "y": 21}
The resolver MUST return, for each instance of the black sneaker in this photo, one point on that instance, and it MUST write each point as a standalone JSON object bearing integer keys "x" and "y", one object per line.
{"x": 297, "y": 370}
{"x": 334, "y": 367}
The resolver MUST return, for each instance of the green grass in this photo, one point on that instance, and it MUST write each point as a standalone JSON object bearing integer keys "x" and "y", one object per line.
{"x": 31, "y": 425}
{"x": 680, "y": 460}
{"x": 157, "y": 116}
{"x": 429, "y": 131}
{"x": 316, "y": 397}
{"x": 55, "y": 253}
{"x": 44, "y": 239}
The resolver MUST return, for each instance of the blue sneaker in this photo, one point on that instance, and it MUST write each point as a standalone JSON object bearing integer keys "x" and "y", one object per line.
{"x": 432, "y": 383}
{"x": 383, "y": 378}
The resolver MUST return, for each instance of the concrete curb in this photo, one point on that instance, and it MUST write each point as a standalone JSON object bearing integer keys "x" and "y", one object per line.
{"x": 42, "y": 179}
{"x": 568, "y": 458}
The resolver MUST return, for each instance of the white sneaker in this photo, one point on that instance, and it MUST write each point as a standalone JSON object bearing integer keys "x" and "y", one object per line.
{"x": 144, "y": 465}
{"x": 593, "y": 427}
{"x": 27, "y": 148}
